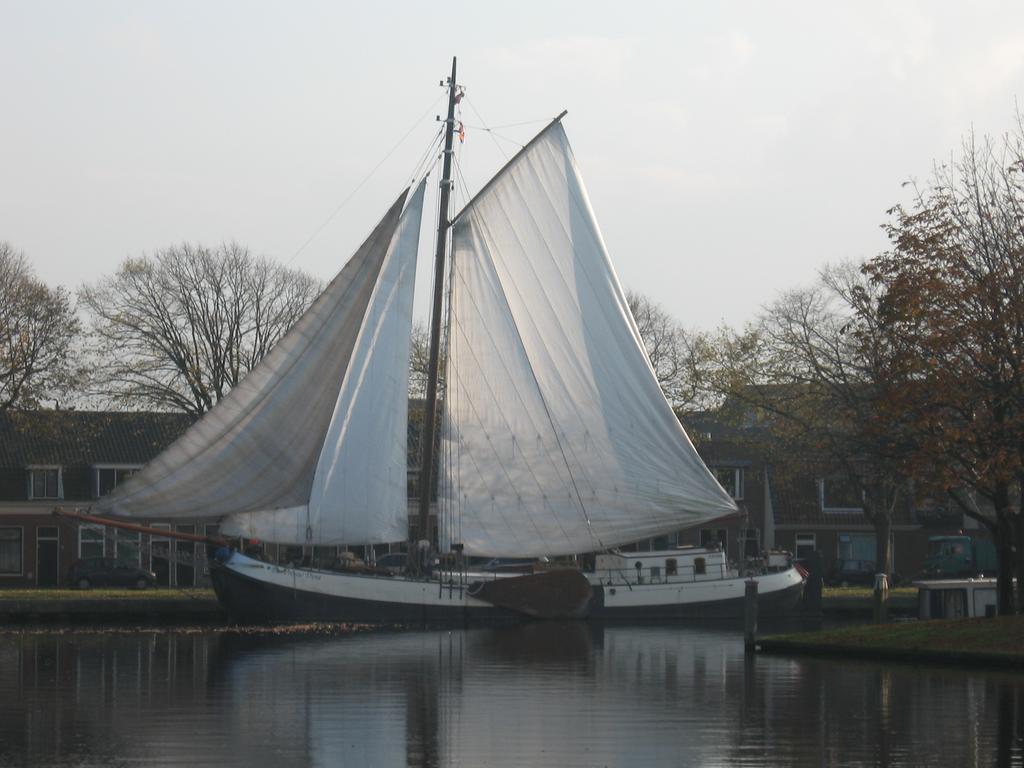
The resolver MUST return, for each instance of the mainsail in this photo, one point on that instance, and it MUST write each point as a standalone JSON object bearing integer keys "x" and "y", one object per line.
{"x": 557, "y": 436}
{"x": 311, "y": 446}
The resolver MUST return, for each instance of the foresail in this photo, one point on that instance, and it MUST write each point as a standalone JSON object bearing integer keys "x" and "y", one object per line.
{"x": 258, "y": 449}
{"x": 359, "y": 490}
{"x": 558, "y": 437}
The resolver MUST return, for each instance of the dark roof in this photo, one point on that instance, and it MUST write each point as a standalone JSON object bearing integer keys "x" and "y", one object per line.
{"x": 71, "y": 438}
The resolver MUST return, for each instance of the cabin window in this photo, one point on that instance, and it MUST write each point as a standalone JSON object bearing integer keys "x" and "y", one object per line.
{"x": 10, "y": 551}
{"x": 700, "y": 566}
{"x": 106, "y": 479}
{"x": 655, "y": 573}
{"x": 806, "y": 543}
{"x": 731, "y": 479}
{"x": 840, "y": 494}
{"x": 45, "y": 483}
{"x": 671, "y": 567}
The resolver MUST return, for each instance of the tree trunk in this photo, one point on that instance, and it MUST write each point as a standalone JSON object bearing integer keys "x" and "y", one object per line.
{"x": 1005, "y": 538}
{"x": 1018, "y": 554}
{"x": 883, "y": 543}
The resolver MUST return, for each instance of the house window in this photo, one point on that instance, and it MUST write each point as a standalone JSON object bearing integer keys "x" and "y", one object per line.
{"x": 840, "y": 494}
{"x": 731, "y": 479}
{"x": 127, "y": 548}
{"x": 856, "y": 546}
{"x": 91, "y": 541}
{"x": 106, "y": 479}
{"x": 10, "y": 551}
{"x": 714, "y": 538}
{"x": 45, "y": 483}
{"x": 806, "y": 543}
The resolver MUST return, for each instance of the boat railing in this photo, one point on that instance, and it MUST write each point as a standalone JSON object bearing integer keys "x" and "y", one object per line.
{"x": 658, "y": 574}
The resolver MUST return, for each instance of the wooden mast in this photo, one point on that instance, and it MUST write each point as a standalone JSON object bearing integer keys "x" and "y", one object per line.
{"x": 426, "y": 476}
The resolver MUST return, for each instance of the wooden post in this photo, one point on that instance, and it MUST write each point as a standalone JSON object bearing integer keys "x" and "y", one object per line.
{"x": 880, "y": 600}
{"x": 750, "y": 615}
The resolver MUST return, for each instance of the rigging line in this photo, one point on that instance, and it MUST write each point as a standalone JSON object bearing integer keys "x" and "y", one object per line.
{"x": 502, "y": 127}
{"x": 425, "y": 161}
{"x": 490, "y": 132}
{"x": 366, "y": 178}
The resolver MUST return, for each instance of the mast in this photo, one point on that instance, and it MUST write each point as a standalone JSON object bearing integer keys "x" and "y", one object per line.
{"x": 430, "y": 409}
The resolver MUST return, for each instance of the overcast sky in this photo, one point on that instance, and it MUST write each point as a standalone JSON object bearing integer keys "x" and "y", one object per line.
{"x": 730, "y": 149}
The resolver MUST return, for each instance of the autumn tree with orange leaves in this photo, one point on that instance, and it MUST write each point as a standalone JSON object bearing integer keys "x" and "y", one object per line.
{"x": 950, "y": 314}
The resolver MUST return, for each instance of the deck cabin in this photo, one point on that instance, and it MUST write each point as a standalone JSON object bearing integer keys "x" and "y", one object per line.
{"x": 685, "y": 564}
{"x": 956, "y": 598}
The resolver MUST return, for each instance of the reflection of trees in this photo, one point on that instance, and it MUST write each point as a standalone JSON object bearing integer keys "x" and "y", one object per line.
{"x": 542, "y": 693}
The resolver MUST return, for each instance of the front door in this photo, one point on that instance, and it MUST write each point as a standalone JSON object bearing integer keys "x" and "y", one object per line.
{"x": 47, "y": 556}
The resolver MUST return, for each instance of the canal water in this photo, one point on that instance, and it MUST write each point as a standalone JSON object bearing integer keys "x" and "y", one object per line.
{"x": 540, "y": 694}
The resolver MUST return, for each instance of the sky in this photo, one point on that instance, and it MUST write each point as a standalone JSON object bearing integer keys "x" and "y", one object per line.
{"x": 730, "y": 149}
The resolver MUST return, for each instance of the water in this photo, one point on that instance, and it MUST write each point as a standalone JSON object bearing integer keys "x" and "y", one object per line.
{"x": 541, "y": 694}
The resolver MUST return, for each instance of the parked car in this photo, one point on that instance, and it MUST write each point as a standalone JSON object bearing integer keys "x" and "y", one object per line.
{"x": 108, "y": 572}
{"x": 844, "y": 573}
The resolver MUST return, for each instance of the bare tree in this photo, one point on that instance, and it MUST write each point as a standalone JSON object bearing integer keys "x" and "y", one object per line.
{"x": 679, "y": 357}
{"x": 37, "y": 328}
{"x": 179, "y": 329}
{"x": 804, "y": 369}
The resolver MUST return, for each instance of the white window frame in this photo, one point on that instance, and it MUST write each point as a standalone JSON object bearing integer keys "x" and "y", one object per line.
{"x": 97, "y": 468}
{"x": 736, "y": 492}
{"x": 21, "y": 573}
{"x": 89, "y": 527}
{"x": 810, "y": 537}
{"x": 835, "y": 510}
{"x": 32, "y": 469}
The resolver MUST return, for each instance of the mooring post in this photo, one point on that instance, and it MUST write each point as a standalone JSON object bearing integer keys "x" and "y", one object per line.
{"x": 750, "y": 615}
{"x": 880, "y": 600}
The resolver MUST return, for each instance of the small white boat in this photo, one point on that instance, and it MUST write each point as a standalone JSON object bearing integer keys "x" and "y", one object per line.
{"x": 555, "y": 437}
{"x": 956, "y": 598}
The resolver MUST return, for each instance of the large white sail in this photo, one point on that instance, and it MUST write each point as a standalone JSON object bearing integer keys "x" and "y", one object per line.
{"x": 557, "y": 436}
{"x": 359, "y": 489}
{"x": 261, "y": 448}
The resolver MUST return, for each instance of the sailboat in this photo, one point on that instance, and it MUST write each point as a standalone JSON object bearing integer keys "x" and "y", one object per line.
{"x": 555, "y": 439}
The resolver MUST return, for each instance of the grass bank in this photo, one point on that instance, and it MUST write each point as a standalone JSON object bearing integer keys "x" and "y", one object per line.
{"x": 857, "y": 601}
{"x": 159, "y": 593}
{"x": 990, "y": 641}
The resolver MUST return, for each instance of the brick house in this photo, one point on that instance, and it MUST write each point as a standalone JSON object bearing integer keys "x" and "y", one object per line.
{"x": 802, "y": 505}
{"x": 72, "y": 458}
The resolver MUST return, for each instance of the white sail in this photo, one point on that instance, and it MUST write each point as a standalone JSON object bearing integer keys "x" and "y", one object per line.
{"x": 557, "y": 436}
{"x": 359, "y": 489}
{"x": 260, "y": 448}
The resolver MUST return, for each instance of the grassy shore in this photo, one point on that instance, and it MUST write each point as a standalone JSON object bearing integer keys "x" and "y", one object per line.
{"x": 106, "y": 594}
{"x": 998, "y": 641}
{"x": 857, "y": 601}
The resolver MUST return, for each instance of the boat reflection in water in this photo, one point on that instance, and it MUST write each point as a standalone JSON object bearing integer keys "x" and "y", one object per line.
{"x": 540, "y": 694}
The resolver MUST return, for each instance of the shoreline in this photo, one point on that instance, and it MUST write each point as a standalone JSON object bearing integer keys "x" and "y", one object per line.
{"x": 985, "y": 642}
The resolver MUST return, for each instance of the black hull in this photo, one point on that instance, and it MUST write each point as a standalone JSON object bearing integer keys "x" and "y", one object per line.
{"x": 254, "y": 601}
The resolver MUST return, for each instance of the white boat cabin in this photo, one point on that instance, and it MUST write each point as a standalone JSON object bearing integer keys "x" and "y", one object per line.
{"x": 956, "y": 598}
{"x": 685, "y": 564}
